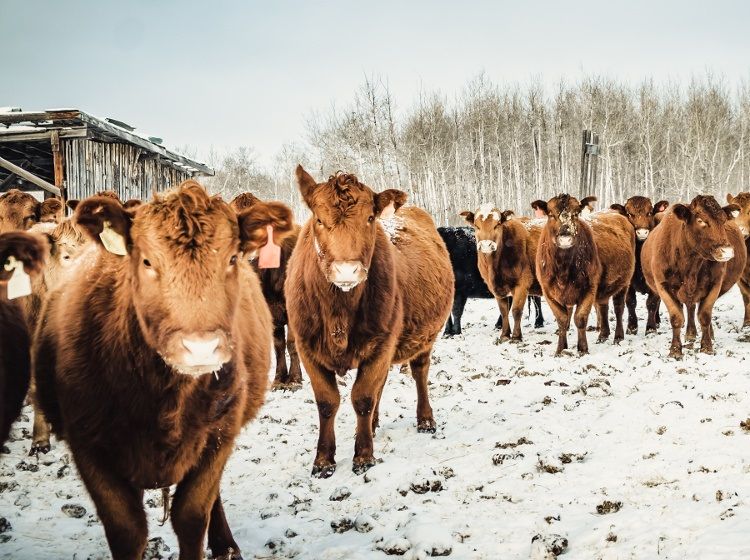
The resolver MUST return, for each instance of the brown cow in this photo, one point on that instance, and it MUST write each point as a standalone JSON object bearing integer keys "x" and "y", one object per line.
{"x": 150, "y": 363}
{"x": 642, "y": 214}
{"x": 743, "y": 222}
{"x": 580, "y": 262}
{"x": 272, "y": 281}
{"x": 695, "y": 255}
{"x": 20, "y": 210}
{"x": 364, "y": 293}
{"x": 67, "y": 243}
{"x": 15, "y": 338}
{"x": 506, "y": 256}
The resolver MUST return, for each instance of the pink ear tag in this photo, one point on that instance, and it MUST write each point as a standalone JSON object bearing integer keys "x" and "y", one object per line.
{"x": 388, "y": 211}
{"x": 270, "y": 253}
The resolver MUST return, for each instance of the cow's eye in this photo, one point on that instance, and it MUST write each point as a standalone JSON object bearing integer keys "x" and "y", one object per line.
{"x": 147, "y": 263}
{"x": 318, "y": 222}
{"x": 371, "y": 219}
{"x": 233, "y": 260}
{"x": 700, "y": 222}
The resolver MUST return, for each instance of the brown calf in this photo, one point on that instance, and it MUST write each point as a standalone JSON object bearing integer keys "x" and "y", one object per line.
{"x": 15, "y": 339}
{"x": 580, "y": 262}
{"x": 695, "y": 255}
{"x": 742, "y": 219}
{"x": 150, "y": 363}
{"x": 506, "y": 255}
{"x": 272, "y": 281}
{"x": 358, "y": 299}
{"x": 642, "y": 215}
{"x": 20, "y": 210}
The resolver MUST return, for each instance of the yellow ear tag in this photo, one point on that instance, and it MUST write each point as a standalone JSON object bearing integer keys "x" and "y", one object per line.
{"x": 112, "y": 241}
{"x": 270, "y": 253}
{"x": 19, "y": 284}
{"x": 388, "y": 211}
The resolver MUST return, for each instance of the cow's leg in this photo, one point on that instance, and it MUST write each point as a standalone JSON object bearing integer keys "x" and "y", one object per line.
{"x": 618, "y": 301}
{"x": 119, "y": 506}
{"x": 420, "y": 368}
{"x": 449, "y": 325}
{"x": 676, "y": 318}
{"x": 705, "y": 312}
{"x": 295, "y": 370}
{"x": 194, "y": 500}
{"x": 631, "y": 301}
{"x": 376, "y": 412}
{"x": 502, "y": 303}
{"x": 652, "y": 306}
{"x": 40, "y": 439}
{"x": 598, "y": 320}
{"x": 220, "y": 539}
{"x": 370, "y": 377}
{"x": 519, "y": 300}
{"x": 604, "y": 331}
{"x": 745, "y": 290}
{"x": 562, "y": 314}
{"x": 279, "y": 346}
{"x": 691, "y": 332}
{"x": 583, "y": 310}
{"x": 538, "y": 315}
{"x": 327, "y": 398}
{"x": 499, "y": 322}
{"x": 459, "y": 303}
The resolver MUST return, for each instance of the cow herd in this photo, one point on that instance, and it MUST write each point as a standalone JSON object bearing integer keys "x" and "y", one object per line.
{"x": 143, "y": 331}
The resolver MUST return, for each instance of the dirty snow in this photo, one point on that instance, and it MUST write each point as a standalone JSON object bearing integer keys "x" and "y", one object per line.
{"x": 621, "y": 454}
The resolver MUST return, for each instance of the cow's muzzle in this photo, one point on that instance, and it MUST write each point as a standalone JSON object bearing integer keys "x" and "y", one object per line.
{"x": 347, "y": 274}
{"x": 197, "y": 353}
{"x": 641, "y": 234}
{"x": 486, "y": 246}
{"x": 723, "y": 254}
{"x": 564, "y": 241}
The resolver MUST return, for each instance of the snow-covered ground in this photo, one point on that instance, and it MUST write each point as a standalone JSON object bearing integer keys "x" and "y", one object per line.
{"x": 527, "y": 445}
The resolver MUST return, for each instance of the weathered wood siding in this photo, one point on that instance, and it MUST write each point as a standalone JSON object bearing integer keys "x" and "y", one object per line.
{"x": 91, "y": 167}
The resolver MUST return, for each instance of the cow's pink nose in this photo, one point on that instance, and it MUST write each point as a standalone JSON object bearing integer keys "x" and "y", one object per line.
{"x": 202, "y": 350}
{"x": 347, "y": 274}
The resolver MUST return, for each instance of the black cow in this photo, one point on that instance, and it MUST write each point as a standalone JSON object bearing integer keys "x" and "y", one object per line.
{"x": 462, "y": 248}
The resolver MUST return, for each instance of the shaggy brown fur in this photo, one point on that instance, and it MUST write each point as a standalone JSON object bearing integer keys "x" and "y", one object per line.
{"x": 20, "y": 211}
{"x": 685, "y": 262}
{"x": 121, "y": 366}
{"x": 14, "y": 333}
{"x": 359, "y": 300}
{"x": 506, "y": 256}
{"x": 288, "y": 377}
{"x": 743, "y": 222}
{"x": 642, "y": 215}
{"x": 580, "y": 262}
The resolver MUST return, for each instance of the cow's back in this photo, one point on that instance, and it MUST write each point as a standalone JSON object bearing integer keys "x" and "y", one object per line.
{"x": 615, "y": 243}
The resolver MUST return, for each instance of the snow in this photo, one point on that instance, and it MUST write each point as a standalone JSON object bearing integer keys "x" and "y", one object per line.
{"x": 527, "y": 446}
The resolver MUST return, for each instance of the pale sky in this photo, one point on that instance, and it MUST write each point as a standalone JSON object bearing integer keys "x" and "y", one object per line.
{"x": 223, "y": 73}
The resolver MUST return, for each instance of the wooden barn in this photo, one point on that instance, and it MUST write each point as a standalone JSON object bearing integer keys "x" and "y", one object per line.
{"x": 72, "y": 154}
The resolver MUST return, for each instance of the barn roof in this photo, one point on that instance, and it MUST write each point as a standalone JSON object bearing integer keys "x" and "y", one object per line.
{"x": 23, "y": 126}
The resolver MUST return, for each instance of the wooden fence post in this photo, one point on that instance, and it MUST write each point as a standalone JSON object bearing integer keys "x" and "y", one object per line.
{"x": 589, "y": 160}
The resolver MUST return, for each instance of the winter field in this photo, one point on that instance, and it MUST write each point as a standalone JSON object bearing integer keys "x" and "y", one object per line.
{"x": 623, "y": 453}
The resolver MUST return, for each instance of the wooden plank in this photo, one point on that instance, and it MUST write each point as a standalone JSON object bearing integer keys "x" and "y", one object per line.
{"x": 30, "y": 177}
{"x": 43, "y": 135}
{"x": 39, "y": 116}
{"x": 57, "y": 163}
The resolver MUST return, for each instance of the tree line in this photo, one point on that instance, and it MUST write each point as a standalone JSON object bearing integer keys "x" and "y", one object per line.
{"x": 510, "y": 144}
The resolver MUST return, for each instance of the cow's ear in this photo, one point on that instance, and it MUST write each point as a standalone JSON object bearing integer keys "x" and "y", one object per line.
{"x": 588, "y": 201}
{"x": 390, "y": 197}
{"x": 468, "y": 216}
{"x": 619, "y": 208}
{"x": 31, "y": 249}
{"x": 682, "y": 212}
{"x": 132, "y": 203}
{"x": 306, "y": 184}
{"x": 539, "y": 205}
{"x": 254, "y": 224}
{"x": 51, "y": 206}
{"x": 730, "y": 198}
{"x": 660, "y": 206}
{"x": 107, "y": 222}
{"x": 732, "y": 211}
{"x": 72, "y": 204}
{"x": 506, "y": 216}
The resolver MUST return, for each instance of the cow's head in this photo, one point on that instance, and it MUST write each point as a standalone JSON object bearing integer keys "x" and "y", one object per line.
{"x": 29, "y": 249}
{"x": 703, "y": 223}
{"x": 641, "y": 213}
{"x": 487, "y": 222}
{"x": 20, "y": 211}
{"x": 67, "y": 242}
{"x": 183, "y": 254}
{"x": 743, "y": 218}
{"x": 563, "y": 213}
{"x": 344, "y": 224}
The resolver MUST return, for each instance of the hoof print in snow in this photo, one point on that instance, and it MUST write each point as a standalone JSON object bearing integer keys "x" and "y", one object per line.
{"x": 340, "y": 493}
{"x": 431, "y": 484}
{"x": 5, "y": 525}
{"x": 364, "y": 523}
{"x": 342, "y": 525}
{"x": 607, "y": 507}
{"x": 394, "y": 547}
{"x": 500, "y": 458}
{"x": 290, "y": 533}
{"x": 545, "y": 466}
{"x": 268, "y": 513}
{"x": 63, "y": 471}
{"x": 73, "y": 510}
{"x": 745, "y": 425}
{"x": 548, "y": 547}
{"x": 155, "y": 549}
{"x": 8, "y": 486}
{"x": 513, "y": 444}
{"x": 567, "y": 458}
{"x": 446, "y": 473}
{"x": 29, "y": 467}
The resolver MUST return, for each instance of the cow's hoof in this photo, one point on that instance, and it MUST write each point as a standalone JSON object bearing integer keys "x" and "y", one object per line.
{"x": 633, "y": 330}
{"x": 707, "y": 350}
{"x": 290, "y": 386}
{"x": 602, "y": 339}
{"x": 676, "y": 354}
{"x": 426, "y": 426}
{"x": 650, "y": 331}
{"x": 231, "y": 554}
{"x": 516, "y": 339}
{"x": 323, "y": 471}
{"x": 361, "y": 466}
{"x": 39, "y": 447}
{"x": 592, "y": 329}
{"x": 618, "y": 340}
